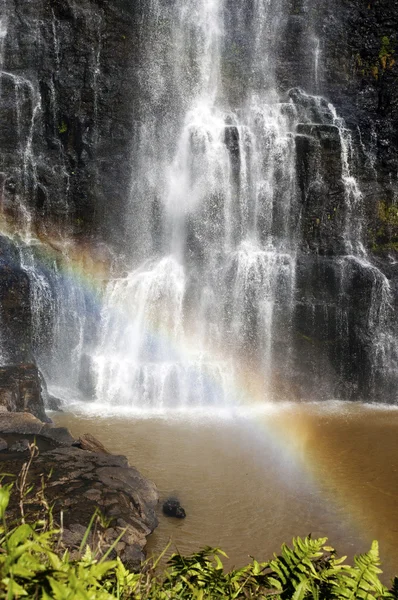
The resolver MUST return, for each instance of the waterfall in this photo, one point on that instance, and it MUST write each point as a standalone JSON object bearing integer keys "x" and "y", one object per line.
{"x": 214, "y": 214}
{"x": 243, "y": 230}
{"x": 221, "y": 259}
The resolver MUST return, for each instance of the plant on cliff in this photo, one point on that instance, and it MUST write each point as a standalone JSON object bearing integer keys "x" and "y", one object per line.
{"x": 386, "y": 54}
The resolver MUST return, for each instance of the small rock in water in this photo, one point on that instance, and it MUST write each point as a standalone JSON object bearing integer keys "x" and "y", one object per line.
{"x": 3, "y": 444}
{"x": 173, "y": 508}
{"x": 54, "y": 403}
{"x": 90, "y": 443}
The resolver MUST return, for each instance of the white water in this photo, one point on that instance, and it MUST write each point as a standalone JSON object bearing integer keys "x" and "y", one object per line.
{"x": 214, "y": 217}
{"x": 204, "y": 313}
{"x": 226, "y": 193}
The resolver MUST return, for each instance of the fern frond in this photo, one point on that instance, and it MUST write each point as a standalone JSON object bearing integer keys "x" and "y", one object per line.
{"x": 361, "y": 581}
{"x": 394, "y": 589}
{"x": 295, "y": 567}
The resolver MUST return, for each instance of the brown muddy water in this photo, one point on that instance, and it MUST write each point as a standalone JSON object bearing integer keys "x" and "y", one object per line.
{"x": 252, "y": 480}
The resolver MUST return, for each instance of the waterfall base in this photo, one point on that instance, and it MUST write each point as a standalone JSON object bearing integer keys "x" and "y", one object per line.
{"x": 248, "y": 483}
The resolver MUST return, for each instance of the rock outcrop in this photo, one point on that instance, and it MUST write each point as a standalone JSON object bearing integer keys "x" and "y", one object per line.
{"x": 20, "y": 390}
{"x": 81, "y": 477}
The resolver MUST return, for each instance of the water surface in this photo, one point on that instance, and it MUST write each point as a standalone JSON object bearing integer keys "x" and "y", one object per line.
{"x": 252, "y": 480}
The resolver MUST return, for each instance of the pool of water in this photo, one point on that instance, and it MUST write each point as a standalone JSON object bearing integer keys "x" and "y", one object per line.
{"x": 252, "y": 479}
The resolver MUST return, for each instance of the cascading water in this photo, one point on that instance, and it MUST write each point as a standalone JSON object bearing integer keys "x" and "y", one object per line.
{"x": 242, "y": 193}
{"x": 221, "y": 256}
{"x": 214, "y": 214}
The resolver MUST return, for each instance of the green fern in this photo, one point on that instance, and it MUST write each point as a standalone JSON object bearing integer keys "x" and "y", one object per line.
{"x": 294, "y": 572}
{"x": 361, "y": 581}
{"x": 33, "y": 565}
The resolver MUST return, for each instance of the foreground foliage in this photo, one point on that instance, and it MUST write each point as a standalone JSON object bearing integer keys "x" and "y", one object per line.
{"x": 33, "y": 565}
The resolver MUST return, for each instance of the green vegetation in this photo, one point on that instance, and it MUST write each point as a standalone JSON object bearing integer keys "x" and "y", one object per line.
{"x": 387, "y": 247}
{"x": 62, "y": 128}
{"x": 34, "y": 565}
{"x": 388, "y": 213}
{"x": 384, "y": 235}
{"x": 384, "y": 62}
{"x": 386, "y": 54}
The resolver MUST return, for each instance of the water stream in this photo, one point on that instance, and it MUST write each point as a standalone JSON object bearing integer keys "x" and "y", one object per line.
{"x": 214, "y": 215}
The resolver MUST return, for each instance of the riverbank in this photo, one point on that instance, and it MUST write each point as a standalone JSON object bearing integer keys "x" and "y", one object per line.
{"x": 77, "y": 476}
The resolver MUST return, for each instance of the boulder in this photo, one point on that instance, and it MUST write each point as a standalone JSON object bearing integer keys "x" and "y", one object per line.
{"x": 19, "y": 423}
{"x": 20, "y": 390}
{"x": 79, "y": 483}
{"x": 90, "y": 443}
{"x": 173, "y": 508}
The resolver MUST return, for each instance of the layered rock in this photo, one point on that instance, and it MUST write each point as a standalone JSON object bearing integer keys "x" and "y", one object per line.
{"x": 80, "y": 483}
{"x": 81, "y": 476}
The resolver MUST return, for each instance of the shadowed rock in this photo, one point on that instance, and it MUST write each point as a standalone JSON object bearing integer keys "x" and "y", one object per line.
{"x": 81, "y": 482}
{"x": 20, "y": 390}
{"x": 173, "y": 508}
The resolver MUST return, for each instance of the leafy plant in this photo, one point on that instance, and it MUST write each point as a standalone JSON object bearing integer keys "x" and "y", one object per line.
{"x": 34, "y": 565}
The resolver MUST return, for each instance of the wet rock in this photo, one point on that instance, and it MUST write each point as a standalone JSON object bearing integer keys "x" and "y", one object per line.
{"x": 333, "y": 296}
{"x": 173, "y": 508}
{"x": 54, "y": 403}
{"x": 20, "y": 390}
{"x": 20, "y": 446}
{"x": 16, "y": 318}
{"x": 78, "y": 140}
{"x": 3, "y": 445}
{"x": 90, "y": 443}
{"x": 319, "y": 171}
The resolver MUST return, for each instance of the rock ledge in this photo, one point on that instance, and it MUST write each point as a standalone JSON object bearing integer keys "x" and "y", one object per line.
{"x": 80, "y": 478}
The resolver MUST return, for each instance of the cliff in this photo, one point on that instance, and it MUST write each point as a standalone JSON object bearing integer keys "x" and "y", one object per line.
{"x": 72, "y": 96}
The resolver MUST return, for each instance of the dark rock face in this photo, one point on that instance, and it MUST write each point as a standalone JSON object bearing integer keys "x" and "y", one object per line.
{"x": 340, "y": 300}
{"x": 20, "y": 390}
{"x": 65, "y": 141}
{"x": 16, "y": 317}
{"x": 357, "y": 72}
{"x": 322, "y": 191}
{"x": 81, "y": 482}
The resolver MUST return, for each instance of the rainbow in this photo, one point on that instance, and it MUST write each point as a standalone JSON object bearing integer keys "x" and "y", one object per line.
{"x": 288, "y": 427}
